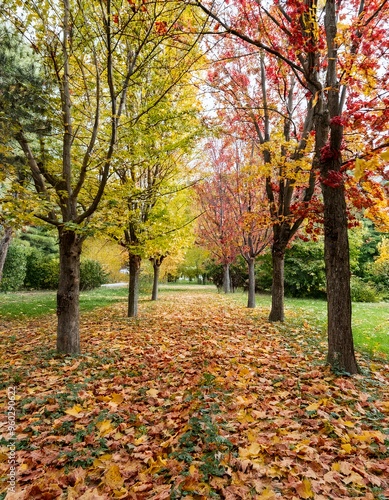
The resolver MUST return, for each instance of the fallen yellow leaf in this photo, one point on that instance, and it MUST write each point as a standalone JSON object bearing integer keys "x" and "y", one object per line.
{"x": 347, "y": 447}
{"x": 267, "y": 494}
{"x": 253, "y": 450}
{"x": 304, "y": 489}
{"x": 117, "y": 398}
{"x": 113, "y": 478}
{"x": 75, "y": 411}
{"x": 105, "y": 428}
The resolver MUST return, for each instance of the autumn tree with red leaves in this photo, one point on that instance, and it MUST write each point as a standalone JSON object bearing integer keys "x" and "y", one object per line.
{"x": 337, "y": 53}
{"x": 235, "y": 209}
{"x": 249, "y": 209}
{"x": 217, "y": 230}
{"x": 262, "y": 104}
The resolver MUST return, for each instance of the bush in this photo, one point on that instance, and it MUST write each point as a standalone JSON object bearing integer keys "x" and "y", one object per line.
{"x": 379, "y": 275}
{"x": 14, "y": 271}
{"x": 50, "y": 268}
{"x": 42, "y": 271}
{"x": 238, "y": 274}
{"x": 263, "y": 273}
{"x": 362, "y": 291}
{"x": 92, "y": 274}
{"x": 305, "y": 270}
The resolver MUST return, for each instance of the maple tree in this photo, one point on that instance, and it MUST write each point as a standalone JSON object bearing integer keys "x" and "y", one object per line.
{"x": 337, "y": 54}
{"x": 148, "y": 195}
{"x": 173, "y": 232}
{"x": 217, "y": 228}
{"x": 262, "y": 106}
{"x": 244, "y": 210}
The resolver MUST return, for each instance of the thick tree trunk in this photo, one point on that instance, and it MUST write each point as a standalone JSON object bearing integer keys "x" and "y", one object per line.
{"x": 68, "y": 331}
{"x": 156, "y": 268}
{"x": 277, "y": 289}
{"x": 336, "y": 248}
{"x": 341, "y": 355}
{"x": 133, "y": 291}
{"x": 251, "y": 291}
{"x": 226, "y": 278}
{"x": 4, "y": 245}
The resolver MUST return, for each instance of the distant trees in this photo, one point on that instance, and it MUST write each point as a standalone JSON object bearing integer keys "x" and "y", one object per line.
{"x": 234, "y": 209}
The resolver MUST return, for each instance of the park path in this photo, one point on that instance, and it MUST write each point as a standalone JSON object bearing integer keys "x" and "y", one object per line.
{"x": 198, "y": 397}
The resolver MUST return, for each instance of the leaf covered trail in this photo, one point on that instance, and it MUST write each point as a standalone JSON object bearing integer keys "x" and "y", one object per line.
{"x": 198, "y": 398}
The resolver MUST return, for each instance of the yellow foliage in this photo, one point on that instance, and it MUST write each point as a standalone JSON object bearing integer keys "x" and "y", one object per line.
{"x": 111, "y": 255}
{"x": 383, "y": 249}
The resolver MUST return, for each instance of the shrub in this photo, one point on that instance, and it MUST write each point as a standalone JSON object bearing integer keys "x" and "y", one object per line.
{"x": 304, "y": 270}
{"x": 92, "y": 274}
{"x": 362, "y": 291}
{"x": 42, "y": 271}
{"x": 50, "y": 268}
{"x": 15, "y": 266}
{"x": 263, "y": 273}
{"x": 380, "y": 276}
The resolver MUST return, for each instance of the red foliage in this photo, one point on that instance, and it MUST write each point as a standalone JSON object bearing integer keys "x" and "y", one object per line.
{"x": 333, "y": 179}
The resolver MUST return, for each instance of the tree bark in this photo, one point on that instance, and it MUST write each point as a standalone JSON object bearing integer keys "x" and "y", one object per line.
{"x": 251, "y": 290}
{"x": 341, "y": 355}
{"x": 68, "y": 333}
{"x": 4, "y": 245}
{"x": 277, "y": 290}
{"x": 133, "y": 291}
{"x": 226, "y": 278}
{"x": 156, "y": 267}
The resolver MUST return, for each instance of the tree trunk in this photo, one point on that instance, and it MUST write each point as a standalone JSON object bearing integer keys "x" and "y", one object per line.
{"x": 133, "y": 291}
{"x": 251, "y": 291}
{"x": 156, "y": 267}
{"x": 277, "y": 289}
{"x": 226, "y": 278}
{"x": 4, "y": 245}
{"x": 68, "y": 295}
{"x": 341, "y": 355}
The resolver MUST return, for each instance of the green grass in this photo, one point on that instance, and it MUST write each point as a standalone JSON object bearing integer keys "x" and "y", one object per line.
{"x": 370, "y": 320}
{"x": 17, "y": 305}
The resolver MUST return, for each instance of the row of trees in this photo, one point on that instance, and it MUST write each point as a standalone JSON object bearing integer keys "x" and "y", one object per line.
{"x": 306, "y": 84}
{"x": 104, "y": 120}
{"x": 91, "y": 112}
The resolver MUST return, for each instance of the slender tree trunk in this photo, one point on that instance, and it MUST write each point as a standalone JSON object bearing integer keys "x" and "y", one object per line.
{"x": 277, "y": 290}
{"x": 156, "y": 267}
{"x": 226, "y": 278}
{"x": 4, "y": 245}
{"x": 336, "y": 249}
{"x": 251, "y": 291}
{"x": 133, "y": 291}
{"x": 68, "y": 331}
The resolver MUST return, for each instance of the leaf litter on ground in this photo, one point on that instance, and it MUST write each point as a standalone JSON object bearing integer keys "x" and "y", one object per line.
{"x": 197, "y": 398}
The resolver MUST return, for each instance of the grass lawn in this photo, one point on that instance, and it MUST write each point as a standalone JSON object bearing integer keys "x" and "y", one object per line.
{"x": 33, "y": 304}
{"x": 370, "y": 320}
